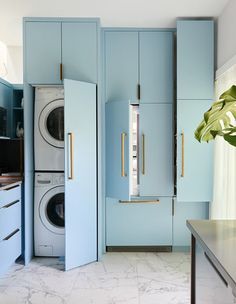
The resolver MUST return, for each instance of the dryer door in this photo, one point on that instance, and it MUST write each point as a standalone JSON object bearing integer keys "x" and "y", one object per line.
{"x": 52, "y": 210}
{"x": 51, "y": 123}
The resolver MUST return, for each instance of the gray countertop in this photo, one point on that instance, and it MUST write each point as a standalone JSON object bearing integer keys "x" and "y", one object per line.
{"x": 218, "y": 239}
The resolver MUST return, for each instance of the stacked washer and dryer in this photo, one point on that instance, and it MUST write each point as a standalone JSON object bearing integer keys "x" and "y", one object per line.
{"x": 49, "y": 222}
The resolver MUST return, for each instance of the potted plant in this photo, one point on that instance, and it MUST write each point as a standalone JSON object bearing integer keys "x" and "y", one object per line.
{"x": 219, "y": 119}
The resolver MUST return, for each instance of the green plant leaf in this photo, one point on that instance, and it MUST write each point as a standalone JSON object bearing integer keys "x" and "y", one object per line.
{"x": 216, "y": 120}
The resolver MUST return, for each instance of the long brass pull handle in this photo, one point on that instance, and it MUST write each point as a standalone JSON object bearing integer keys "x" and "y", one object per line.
{"x": 61, "y": 71}
{"x": 11, "y": 204}
{"x": 138, "y": 92}
{"x": 11, "y": 235}
{"x": 143, "y": 154}
{"x": 71, "y": 159}
{"x": 182, "y": 139}
{"x": 123, "y": 135}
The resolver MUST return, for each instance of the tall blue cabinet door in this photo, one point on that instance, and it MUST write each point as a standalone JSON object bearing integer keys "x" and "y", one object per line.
{"x": 156, "y": 67}
{"x": 42, "y": 53}
{"x": 79, "y": 51}
{"x": 117, "y": 149}
{"x": 195, "y": 59}
{"x": 121, "y": 66}
{"x": 6, "y": 95}
{"x": 80, "y": 174}
{"x": 156, "y": 150}
{"x": 194, "y": 159}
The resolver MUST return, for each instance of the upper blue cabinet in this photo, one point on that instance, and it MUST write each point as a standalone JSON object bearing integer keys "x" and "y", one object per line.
{"x": 156, "y": 67}
{"x": 59, "y": 48}
{"x": 138, "y": 66}
{"x": 121, "y": 65}
{"x": 195, "y": 59}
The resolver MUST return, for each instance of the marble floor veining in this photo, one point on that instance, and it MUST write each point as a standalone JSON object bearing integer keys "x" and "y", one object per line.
{"x": 119, "y": 278}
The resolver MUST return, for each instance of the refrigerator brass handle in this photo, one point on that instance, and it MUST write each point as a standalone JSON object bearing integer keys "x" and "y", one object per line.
{"x": 123, "y": 135}
{"x": 61, "y": 71}
{"x": 143, "y": 154}
{"x": 71, "y": 158}
{"x": 182, "y": 140}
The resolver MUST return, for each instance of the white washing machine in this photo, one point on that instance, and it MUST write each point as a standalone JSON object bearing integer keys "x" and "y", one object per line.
{"x": 49, "y": 220}
{"x": 49, "y": 129}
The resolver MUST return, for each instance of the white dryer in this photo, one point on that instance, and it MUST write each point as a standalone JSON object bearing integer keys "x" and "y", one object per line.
{"x": 49, "y": 129}
{"x": 49, "y": 220}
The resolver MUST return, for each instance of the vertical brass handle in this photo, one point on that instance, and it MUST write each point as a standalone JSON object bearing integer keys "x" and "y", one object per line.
{"x": 143, "y": 154}
{"x": 138, "y": 92}
{"x": 61, "y": 71}
{"x": 123, "y": 135}
{"x": 71, "y": 157}
{"x": 182, "y": 139}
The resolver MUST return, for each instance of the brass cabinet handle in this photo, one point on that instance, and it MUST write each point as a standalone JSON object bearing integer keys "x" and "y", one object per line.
{"x": 143, "y": 154}
{"x": 61, "y": 71}
{"x": 182, "y": 139}
{"x": 71, "y": 158}
{"x": 123, "y": 135}
{"x": 138, "y": 92}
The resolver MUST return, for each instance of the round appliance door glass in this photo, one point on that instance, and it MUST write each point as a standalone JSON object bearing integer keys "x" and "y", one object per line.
{"x": 52, "y": 210}
{"x": 51, "y": 123}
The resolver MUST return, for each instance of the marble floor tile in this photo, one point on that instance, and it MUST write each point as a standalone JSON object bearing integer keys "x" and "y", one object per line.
{"x": 119, "y": 278}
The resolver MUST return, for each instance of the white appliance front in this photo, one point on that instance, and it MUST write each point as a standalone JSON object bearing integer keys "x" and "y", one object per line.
{"x": 49, "y": 210}
{"x": 49, "y": 129}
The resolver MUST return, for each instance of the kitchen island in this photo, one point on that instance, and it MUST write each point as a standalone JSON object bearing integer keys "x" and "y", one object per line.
{"x": 213, "y": 261}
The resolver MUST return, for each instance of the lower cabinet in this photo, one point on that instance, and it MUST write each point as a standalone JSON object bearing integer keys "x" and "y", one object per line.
{"x": 10, "y": 226}
{"x": 211, "y": 288}
{"x": 182, "y": 212}
{"x": 139, "y": 224}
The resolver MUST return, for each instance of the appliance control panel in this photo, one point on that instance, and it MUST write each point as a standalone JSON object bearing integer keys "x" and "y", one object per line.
{"x": 46, "y": 179}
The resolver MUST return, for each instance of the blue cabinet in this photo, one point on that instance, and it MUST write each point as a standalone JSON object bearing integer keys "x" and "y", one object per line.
{"x": 156, "y": 150}
{"x": 117, "y": 149}
{"x": 6, "y": 93}
{"x": 42, "y": 54}
{"x": 10, "y": 225}
{"x": 139, "y": 224}
{"x": 80, "y": 173}
{"x": 121, "y": 65}
{"x": 72, "y": 53}
{"x": 147, "y": 167}
{"x": 139, "y": 66}
{"x": 195, "y": 59}
{"x": 194, "y": 159}
{"x": 156, "y": 67}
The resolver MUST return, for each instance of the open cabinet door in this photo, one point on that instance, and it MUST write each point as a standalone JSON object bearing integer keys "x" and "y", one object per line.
{"x": 117, "y": 149}
{"x": 80, "y": 174}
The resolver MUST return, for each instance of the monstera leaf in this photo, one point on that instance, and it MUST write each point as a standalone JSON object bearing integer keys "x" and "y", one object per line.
{"x": 218, "y": 121}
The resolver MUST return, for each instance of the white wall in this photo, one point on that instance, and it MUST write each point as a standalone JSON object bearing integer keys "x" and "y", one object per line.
{"x": 15, "y": 64}
{"x": 226, "y": 34}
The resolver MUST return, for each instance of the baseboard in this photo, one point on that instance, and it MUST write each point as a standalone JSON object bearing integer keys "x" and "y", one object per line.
{"x": 139, "y": 248}
{"x": 181, "y": 249}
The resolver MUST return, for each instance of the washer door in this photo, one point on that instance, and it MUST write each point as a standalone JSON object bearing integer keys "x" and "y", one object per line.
{"x": 51, "y": 123}
{"x": 52, "y": 210}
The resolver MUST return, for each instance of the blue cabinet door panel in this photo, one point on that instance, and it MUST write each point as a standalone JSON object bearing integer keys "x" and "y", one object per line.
{"x": 156, "y": 67}
{"x": 184, "y": 211}
{"x": 42, "y": 52}
{"x": 80, "y": 174}
{"x": 194, "y": 159}
{"x": 79, "y": 51}
{"x": 117, "y": 123}
{"x": 195, "y": 59}
{"x": 6, "y": 94}
{"x": 156, "y": 152}
{"x": 121, "y": 66}
{"x": 139, "y": 224}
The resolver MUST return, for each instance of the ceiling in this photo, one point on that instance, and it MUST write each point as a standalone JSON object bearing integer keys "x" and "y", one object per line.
{"x": 137, "y": 13}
